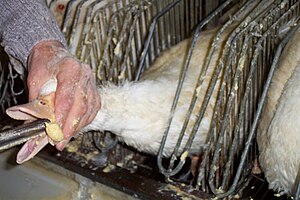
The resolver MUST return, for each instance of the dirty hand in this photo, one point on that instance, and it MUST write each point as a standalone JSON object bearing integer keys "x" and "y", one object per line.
{"x": 76, "y": 98}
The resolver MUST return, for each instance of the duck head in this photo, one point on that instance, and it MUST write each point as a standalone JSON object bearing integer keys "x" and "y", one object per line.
{"x": 41, "y": 108}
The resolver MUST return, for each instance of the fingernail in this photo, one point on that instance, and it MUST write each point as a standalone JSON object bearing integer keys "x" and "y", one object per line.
{"x": 60, "y": 146}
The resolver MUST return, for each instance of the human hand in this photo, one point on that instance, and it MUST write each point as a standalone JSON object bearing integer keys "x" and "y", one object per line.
{"x": 76, "y": 98}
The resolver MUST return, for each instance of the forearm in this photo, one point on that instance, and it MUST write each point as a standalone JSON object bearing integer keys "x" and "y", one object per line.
{"x": 24, "y": 23}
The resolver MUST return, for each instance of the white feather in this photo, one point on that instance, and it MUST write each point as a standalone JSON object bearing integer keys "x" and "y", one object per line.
{"x": 279, "y": 129}
{"x": 48, "y": 87}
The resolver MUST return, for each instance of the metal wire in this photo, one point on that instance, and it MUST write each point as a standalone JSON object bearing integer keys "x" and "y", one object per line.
{"x": 169, "y": 172}
{"x": 11, "y": 84}
{"x": 105, "y": 52}
{"x": 258, "y": 112}
{"x": 97, "y": 29}
{"x": 120, "y": 39}
{"x": 228, "y": 103}
{"x": 297, "y": 195}
{"x": 150, "y": 36}
{"x": 266, "y": 11}
{"x": 195, "y": 96}
{"x": 99, "y": 33}
{"x": 104, "y": 147}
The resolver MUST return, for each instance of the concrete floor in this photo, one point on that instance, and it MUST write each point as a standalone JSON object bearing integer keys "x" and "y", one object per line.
{"x": 41, "y": 180}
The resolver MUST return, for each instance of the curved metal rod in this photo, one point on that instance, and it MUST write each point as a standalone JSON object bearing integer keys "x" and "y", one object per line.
{"x": 150, "y": 36}
{"x": 198, "y": 84}
{"x": 196, "y": 35}
{"x": 231, "y": 42}
{"x": 74, "y": 24}
{"x": 64, "y": 28}
{"x": 259, "y": 110}
{"x": 247, "y": 92}
{"x": 297, "y": 195}
{"x": 85, "y": 30}
{"x": 106, "y": 47}
{"x": 128, "y": 47}
{"x": 103, "y": 148}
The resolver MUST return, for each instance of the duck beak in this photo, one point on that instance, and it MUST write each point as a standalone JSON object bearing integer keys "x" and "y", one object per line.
{"x": 41, "y": 108}
{"x": 31, "y": 148}
{"x": 37, "y": 109}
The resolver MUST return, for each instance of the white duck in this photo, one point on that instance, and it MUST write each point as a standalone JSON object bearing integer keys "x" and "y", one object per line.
{"x": 138, "y": 112}
{"x": 279, "y": 129}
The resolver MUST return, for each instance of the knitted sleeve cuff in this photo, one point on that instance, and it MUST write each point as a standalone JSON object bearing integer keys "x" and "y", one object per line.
{"x": 23, "y": 24}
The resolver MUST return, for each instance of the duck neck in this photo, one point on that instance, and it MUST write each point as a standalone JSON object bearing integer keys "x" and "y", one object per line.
{"x": 113, "y": 106}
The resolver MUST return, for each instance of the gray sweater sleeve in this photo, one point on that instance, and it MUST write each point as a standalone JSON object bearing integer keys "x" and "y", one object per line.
{"x": 24, "y": 23}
